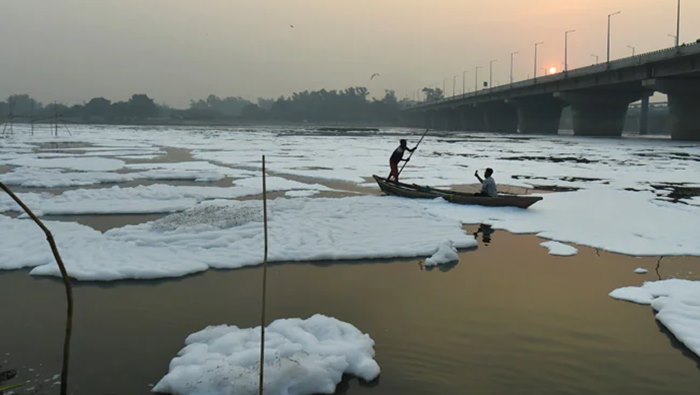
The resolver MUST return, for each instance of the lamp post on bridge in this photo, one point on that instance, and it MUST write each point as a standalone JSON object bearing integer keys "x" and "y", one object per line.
{"x": 491, "y": 62}
{"x": 566, "y": 49}
{"x": 512, "y": 54}
{"x": 678, "y": 24}
{"x": 476, "y": 76}
{"x": 534, "y": 77}
{"x": 610, "y": 16}
{"x": 464, "y": 83}
{"x": 596, "y": 58}
{"x": 454, "y": 85}
{"x": 633, "y": 48}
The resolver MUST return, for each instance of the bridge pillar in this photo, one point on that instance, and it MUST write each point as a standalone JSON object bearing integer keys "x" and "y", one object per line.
{"x": 500, "y": 117}
{"x": 414, "y": 119}
{"x": 683, "y": 105}
{"x": 599, "y": 113}
{"x": 454, "y": 119}
{"x": 472, "y": 119}
{"x": 432, "y": 118}
{"x": 644, "y": 116}
{"x": 538, "y": 114}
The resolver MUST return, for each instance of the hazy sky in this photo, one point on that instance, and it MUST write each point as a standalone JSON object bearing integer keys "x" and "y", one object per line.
{"x": 174, "y": 50}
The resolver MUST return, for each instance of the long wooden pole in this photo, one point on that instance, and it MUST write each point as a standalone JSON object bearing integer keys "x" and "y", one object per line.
{"x": 414, "y": 150}
{"x": 66, "y": 284}
{"x": 264, "y": 285}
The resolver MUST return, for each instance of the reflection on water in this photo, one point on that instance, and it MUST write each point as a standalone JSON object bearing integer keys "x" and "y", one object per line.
{"x": 677, "y": 344}
{"x": 445, "y": 267}
{"x": 486, "y": 232}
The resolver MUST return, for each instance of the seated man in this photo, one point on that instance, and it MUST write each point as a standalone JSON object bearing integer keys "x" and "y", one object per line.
{"x": 488, "y": 185}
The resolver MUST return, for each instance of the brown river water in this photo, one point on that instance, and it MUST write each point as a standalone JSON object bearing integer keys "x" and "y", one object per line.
{"x": 508, "y": 319}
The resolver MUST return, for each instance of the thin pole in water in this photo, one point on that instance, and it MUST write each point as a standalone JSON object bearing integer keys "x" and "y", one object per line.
{"x": 264, "y": 283}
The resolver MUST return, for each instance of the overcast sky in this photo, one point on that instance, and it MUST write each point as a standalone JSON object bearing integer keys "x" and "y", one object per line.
{"x": 174, "y": 50}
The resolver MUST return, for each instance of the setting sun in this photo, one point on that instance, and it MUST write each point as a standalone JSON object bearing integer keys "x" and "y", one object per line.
{"x": 552, "y": 70}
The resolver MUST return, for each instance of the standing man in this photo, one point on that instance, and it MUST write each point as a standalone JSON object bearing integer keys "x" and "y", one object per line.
{"x": 397, "y": 157}
{"x": 488, "y": 185}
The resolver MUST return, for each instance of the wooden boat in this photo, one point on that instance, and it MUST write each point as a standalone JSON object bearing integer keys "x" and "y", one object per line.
{"x": 426, "y": 192}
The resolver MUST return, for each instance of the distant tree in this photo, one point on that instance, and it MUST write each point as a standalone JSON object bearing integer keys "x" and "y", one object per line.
{"x": 433, "y": 94}
{"x": 23, "y": 105}
{"x": 253, "y": 112}
{"x": 265, "y": 104}
{"x": 386, "y": 109}
{"x": 215, "y": 107}
{"x": 97, "y": 107}
{"x": 141, "y": 106}
{"x": 165, "y": 111}
{"x": 55, "y": 110}
{"x": 120, "y": 110}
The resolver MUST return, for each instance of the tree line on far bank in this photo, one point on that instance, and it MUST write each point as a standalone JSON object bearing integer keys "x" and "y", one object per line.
{"x": 348, "y": 105}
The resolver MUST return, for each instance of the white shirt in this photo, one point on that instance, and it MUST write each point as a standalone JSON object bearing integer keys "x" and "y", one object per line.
{"x": 488, "y": 187}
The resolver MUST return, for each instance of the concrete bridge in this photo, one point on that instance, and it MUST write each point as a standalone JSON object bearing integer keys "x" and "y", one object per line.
{"x": 599, "y": 97}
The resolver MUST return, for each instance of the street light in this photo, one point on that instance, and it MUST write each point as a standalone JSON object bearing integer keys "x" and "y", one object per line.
{"x": 491, "y": 62}
{"x": 566, "y": 49}
{"x": 596, "y": 58}
{"x": 512, "y": 54}
{"x": 678, "y": 24}
{"x": 464, "y": 79}
{"x": 476, "y": 76}
{"x": 535, "y": 73}
{"x": 454, "y": 85}
{"x": 610, "y": 16}
{"x": 632, "y": 48}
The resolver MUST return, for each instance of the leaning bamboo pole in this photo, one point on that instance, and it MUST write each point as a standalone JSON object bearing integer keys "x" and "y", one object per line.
{"x": 66, "y": 284}
{"x": 264, "y": 285}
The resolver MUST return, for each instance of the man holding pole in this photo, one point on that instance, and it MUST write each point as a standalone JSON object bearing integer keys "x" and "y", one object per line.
{"x": 397, "y": 157}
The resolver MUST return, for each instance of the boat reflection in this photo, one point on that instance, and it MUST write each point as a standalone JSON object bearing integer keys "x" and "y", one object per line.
{"x": 486, "y": 232}
{"x": 445, "y": 267}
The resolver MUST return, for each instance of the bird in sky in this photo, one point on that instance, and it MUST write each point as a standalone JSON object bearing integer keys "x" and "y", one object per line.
{"x": 292, "y": 26}
{"x": 374, "y": 75}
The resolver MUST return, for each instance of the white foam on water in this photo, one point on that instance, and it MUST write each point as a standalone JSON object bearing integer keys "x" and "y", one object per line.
{"x": 445, "y": 253}
{"x": 559, "y": 249}
{"x": 677, "y": 303}
{"x": 228, "y": 234}
{"x": 72, "y": 163}
{"x": 301, "y": 357}
{"x": 143, "y": 199}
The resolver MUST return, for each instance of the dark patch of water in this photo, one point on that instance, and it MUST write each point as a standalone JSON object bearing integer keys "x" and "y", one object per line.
{"x": 669, "y": 155}
{"x": 554, "y": 159}
{"x": 676, "y": 192}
